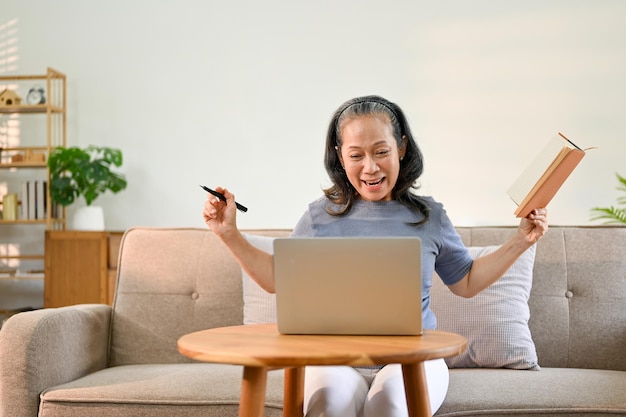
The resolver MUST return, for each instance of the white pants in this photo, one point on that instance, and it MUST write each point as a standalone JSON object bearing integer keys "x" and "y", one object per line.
{"x": 343, "y": 391}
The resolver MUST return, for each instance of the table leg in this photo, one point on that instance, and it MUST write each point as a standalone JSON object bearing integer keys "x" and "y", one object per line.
{"x": 416, "y": 389}
{"x": 294, "y": 392}
{"x": 253, "y": 386}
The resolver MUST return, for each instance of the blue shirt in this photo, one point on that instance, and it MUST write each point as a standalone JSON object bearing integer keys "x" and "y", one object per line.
{"x": 442, "y": 248}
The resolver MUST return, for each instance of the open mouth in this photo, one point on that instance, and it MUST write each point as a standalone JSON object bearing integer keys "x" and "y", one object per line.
{"x": 374, "y": 183}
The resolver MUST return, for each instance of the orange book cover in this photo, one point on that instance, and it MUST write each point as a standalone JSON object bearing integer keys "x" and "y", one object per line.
{"x": 543, "y": 178}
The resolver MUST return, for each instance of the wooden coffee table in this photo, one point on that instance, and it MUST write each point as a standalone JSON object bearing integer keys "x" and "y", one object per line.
{"x": 260, "y": 348}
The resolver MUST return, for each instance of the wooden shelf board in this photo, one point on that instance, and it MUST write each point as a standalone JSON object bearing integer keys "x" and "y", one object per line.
{"x": 24, "y": 165}
{"x": 25, "y": 148}
{"x": 31, "y": 257}
{"x": 23, "y": 77}
{"x": 24, "y": 221}
{"x": 36, "y": 108}
{"x": 19, "y": 277}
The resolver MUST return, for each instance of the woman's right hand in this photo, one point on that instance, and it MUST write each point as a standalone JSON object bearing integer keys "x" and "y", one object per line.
{"x": 219, "y": 215}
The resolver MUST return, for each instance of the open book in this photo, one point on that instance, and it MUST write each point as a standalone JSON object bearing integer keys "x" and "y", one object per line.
{"x": 541, "y": 180}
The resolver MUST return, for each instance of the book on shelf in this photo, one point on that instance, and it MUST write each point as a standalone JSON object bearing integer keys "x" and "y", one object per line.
{"x": 40, "y": 199}
{"x": 33, "y": 200}
{"x": 543, "y": 178}
{"x": 24, "y": 201}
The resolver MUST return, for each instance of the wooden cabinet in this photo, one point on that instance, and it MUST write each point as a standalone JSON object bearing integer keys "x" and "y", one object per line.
{"x": 80, "y": 267}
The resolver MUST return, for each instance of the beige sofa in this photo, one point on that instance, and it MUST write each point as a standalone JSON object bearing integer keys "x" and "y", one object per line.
{"x": 94, "y": 360}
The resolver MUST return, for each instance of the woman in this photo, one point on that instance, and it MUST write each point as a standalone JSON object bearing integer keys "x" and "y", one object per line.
{"x": 374, "y": 162}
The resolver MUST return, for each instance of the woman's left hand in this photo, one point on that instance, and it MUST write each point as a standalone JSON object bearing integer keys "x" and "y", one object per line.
{"x": 535, "y": 225}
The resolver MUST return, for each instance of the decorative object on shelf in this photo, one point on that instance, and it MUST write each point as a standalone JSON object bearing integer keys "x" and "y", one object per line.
{"x": 9, "y": 207}
{"x": 36, "y": 95}
{"x": 613, "y": 214}
{"x": 8, "y": 272}
{"x": 28, "y": 155}
{"x": 76, "y": 172}
{"x": 9, "y": 98}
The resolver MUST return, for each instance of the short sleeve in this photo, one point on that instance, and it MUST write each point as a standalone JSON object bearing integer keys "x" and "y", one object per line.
{"x": 454, "y": 260}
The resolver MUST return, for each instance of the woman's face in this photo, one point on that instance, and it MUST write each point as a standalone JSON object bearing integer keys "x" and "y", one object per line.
{"x": 370, "y": 156}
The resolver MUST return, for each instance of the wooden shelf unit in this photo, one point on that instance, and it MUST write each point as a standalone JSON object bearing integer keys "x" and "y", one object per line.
{"x": 54, "y": 111}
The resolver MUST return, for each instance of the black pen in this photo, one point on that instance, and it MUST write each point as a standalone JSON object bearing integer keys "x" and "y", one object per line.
{"x": 221, "y": 197}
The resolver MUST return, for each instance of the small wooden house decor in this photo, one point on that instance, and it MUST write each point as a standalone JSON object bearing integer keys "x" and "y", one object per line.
{"x": 29, "y": 156}
{"x": 9, "y": 98}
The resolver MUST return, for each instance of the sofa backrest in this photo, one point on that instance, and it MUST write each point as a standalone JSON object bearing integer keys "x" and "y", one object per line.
{"x": 171, "y": 282}
{"x": 175, "y": 281}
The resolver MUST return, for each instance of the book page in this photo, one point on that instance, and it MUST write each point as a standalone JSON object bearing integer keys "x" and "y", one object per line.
{"x": 533, "y": 173}
{"x": 555, "y": 164}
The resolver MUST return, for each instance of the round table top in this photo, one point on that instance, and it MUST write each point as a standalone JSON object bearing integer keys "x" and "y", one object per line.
{"x": 262, "y": 345}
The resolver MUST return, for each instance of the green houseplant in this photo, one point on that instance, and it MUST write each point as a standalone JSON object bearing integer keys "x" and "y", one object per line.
{"x": 76, "y": 172}
{"x": 613, "y": 214}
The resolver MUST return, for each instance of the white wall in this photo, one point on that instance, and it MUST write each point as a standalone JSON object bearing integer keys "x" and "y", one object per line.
{"x": 239, "y": 94}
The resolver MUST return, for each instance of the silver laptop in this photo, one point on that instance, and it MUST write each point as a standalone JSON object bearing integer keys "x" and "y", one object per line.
{"x": 364, "y": 286}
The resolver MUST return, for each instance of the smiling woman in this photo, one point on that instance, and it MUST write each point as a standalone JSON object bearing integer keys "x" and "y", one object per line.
{"x": 374, "y": 162}
{"x": 371, "y": 156}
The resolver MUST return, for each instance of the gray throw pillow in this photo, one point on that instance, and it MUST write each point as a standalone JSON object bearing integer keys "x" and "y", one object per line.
{"x": 495, "y": 322}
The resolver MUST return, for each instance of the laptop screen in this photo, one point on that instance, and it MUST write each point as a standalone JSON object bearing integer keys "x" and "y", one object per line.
{"x": 348, "y": 285}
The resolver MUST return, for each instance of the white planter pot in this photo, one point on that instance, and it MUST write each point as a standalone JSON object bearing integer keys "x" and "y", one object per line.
{"x": 88, "y": 218}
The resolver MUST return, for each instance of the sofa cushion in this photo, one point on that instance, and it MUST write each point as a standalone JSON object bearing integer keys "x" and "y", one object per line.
{"x": 553, "y": 391}
{"x": 197, "y": 389}
{"x": 495, "y": 322}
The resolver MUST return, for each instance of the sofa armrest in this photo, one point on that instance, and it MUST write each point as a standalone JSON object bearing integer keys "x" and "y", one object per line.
{"x": 44, "y": 348}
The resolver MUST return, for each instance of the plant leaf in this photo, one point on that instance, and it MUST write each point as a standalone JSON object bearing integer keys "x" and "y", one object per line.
{"x": 610, "y": 214}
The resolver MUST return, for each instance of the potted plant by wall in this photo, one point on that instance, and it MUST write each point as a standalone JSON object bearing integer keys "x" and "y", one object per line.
{"x": 613, "y": 214}
{"x": 86, "y": 172}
